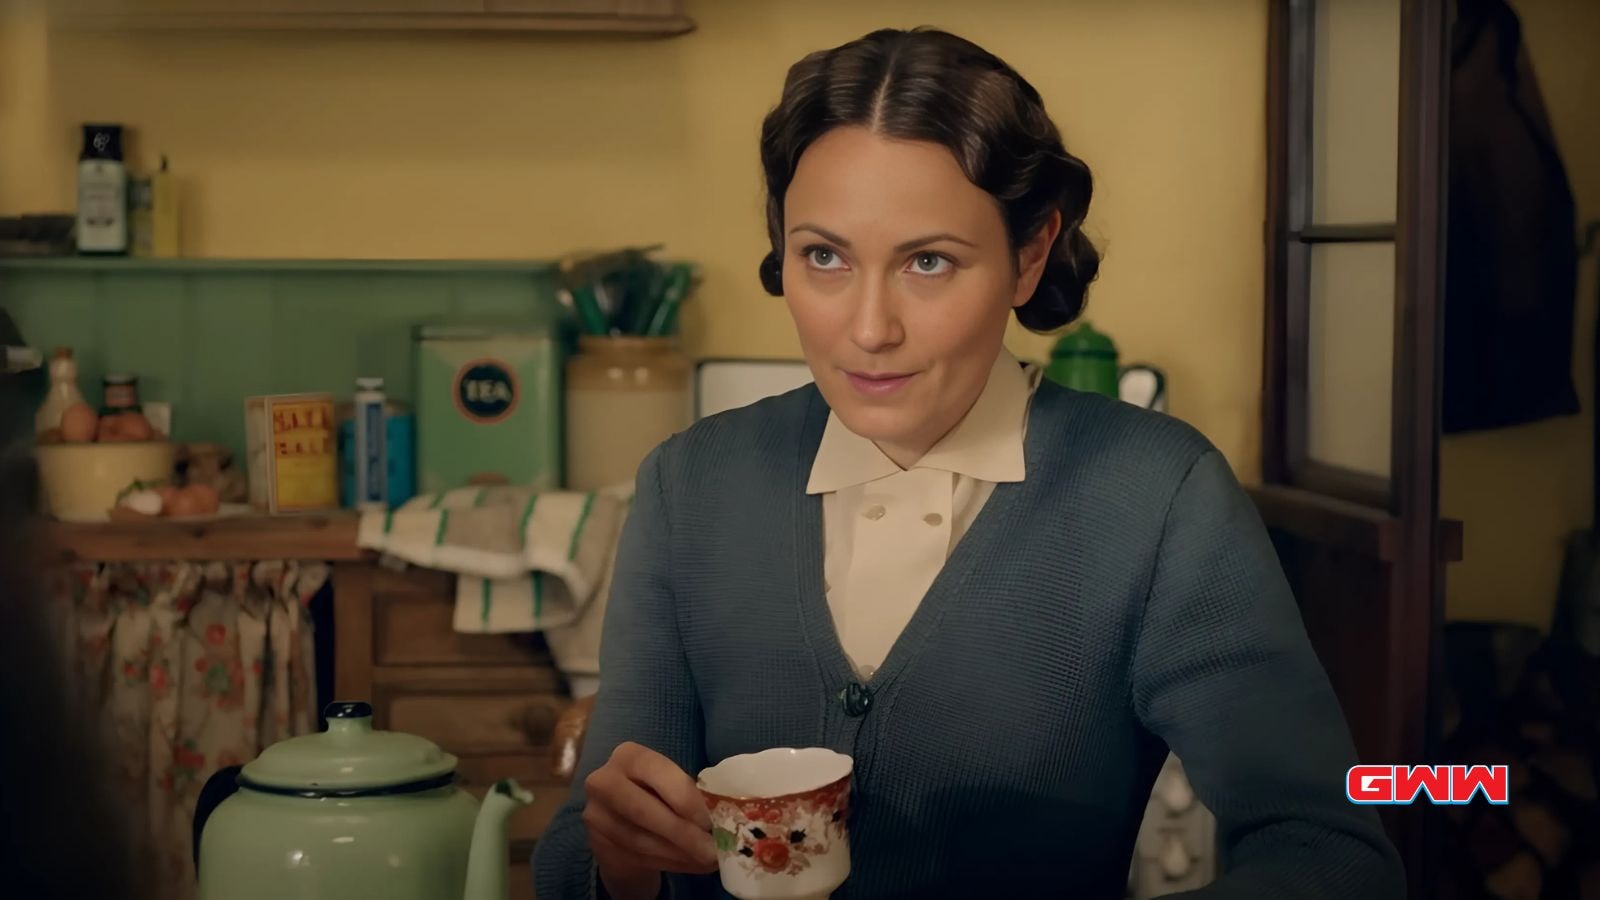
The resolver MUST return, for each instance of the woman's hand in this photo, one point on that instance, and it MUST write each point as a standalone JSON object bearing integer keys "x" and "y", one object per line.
{"x": 645, "y": 816}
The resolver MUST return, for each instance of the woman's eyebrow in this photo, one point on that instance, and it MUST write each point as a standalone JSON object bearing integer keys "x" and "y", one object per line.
{"x": 821, "y": 232}
{"x": 933, "y": 239}
{"x": 902, "y": 247}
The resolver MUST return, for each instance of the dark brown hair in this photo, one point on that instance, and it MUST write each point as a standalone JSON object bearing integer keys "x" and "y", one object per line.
{"x": 929, "y": 85}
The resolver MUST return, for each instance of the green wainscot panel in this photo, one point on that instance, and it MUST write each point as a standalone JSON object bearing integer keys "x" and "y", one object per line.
{"x": 205, "y": 334}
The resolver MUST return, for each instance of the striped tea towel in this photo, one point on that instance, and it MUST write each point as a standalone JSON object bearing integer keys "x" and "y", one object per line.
{"x": 527, "y": 559}
{"x": 576, "y": 647}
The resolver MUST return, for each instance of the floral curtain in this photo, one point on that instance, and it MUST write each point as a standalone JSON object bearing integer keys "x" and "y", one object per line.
{"x": 188, "y": 667}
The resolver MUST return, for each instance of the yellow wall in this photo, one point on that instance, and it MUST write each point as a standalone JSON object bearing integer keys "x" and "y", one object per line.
{"x": 25, "y": 144}
{"x": 439, "y": 145}
{"x": 1520, "y": 491}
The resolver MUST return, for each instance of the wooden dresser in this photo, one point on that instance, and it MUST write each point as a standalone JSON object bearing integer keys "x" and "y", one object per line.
{"x": 492, "y": 700}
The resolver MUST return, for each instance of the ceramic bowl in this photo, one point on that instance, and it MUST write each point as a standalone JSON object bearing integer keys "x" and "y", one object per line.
{"x": 780, "y": 819}
{"x": 81, "y": 481}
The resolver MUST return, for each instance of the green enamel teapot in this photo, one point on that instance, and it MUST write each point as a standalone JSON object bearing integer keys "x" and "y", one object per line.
{"x": 351, "y": 813}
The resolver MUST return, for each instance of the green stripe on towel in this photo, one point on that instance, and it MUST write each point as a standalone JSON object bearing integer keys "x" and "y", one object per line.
{"x": 478, "y": 501}
{"x": 527, "y": 516}
{"x": 437, "y": 499}
{"x": 577, "y": 532}
{"x": 538, "y": 596}
{"x": 488, "y": 594}
{"x": 388, "y": 520}
{"x": 444, "y": 522}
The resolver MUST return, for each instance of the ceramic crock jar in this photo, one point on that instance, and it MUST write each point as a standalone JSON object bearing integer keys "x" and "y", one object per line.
{"x": 624, "y": 395}
{"x": 352, "y": 813}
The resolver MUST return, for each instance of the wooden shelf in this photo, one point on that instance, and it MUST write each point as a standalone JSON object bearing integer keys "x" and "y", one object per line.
{"x": 619, "y": 26}
{"x": 330, "y": 536}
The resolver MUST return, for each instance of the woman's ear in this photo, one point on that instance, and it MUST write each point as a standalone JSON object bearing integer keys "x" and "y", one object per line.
{"x": 1033, "y": 256}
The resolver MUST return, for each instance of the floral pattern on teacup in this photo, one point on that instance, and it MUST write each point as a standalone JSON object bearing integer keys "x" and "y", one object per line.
{"x": 781, "y": 835}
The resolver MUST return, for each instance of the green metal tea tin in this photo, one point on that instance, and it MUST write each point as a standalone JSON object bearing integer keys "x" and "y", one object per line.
{"x": 488, "y": 406}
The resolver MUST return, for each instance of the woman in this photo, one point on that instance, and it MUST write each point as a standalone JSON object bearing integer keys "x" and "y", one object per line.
{"x": 1004, "y": 599}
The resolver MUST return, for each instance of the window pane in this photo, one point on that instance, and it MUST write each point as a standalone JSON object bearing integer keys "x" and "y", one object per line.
{"x": 1350, "y": 356}
{"x": 1355, "y": 111}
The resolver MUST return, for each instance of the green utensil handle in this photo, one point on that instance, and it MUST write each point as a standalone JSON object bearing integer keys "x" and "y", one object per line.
{"x": 666, "y": 311}
{"x": 588, "y": 307}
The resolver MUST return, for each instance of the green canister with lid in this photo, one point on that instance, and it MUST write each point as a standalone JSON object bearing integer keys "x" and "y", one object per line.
{"x": 1085, "y": 360}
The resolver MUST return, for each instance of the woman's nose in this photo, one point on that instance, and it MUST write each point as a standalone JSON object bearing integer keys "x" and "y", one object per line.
{"x": 876, "y": 324}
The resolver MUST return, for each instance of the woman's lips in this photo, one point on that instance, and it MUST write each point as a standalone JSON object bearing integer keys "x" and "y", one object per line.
{"x": 875, "y": 385}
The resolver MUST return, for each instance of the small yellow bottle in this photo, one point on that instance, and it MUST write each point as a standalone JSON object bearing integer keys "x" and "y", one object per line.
{"x": 164, "y": 230}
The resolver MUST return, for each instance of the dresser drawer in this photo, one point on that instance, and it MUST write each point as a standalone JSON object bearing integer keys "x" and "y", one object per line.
{"x": 413, "y": 625}
{"x": 470, "y": 723}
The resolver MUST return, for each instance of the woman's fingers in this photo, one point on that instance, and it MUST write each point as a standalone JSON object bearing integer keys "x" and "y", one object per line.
{"x": 643, "y": 809}
{"x": 628, "y": 811}
{"x": 633, "y": 840}
{"x": 662, "y": 777}
{"x": 615, "y": 842}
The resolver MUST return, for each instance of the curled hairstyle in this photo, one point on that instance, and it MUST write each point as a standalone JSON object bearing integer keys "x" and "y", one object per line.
{"x": 929, "y": 85}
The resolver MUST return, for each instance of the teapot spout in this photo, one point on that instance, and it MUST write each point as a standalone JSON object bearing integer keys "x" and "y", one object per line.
{"x": 487, "y": 862}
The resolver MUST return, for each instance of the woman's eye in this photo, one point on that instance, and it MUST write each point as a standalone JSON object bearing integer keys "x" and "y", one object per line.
{"x": 930, "y": 264}
{"x": 823, "y": 258}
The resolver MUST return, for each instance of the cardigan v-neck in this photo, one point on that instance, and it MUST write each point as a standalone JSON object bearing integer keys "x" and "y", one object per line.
{"x": 810, "y": 542}
{"x": 887, "y": 531}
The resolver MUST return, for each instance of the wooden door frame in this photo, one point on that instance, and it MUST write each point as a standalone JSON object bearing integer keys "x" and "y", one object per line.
{"x": 1418, "y": 335}
{"x": 1410, "y": 497}
{"x": 1392, "y": 522}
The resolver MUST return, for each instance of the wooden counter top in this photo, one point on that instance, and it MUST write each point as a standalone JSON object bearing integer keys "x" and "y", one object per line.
{"x": 324, "y": 536}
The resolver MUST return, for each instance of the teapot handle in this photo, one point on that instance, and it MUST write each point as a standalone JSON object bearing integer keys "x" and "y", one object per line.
{"x": 219, "y": 787}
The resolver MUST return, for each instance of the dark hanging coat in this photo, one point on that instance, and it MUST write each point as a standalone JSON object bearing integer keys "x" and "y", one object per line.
{"x": 1511, "y": 264}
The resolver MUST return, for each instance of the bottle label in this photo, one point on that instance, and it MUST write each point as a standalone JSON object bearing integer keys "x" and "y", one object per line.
{"x": 102, "y": 206}
{"x": 372, "y": 471}
{"x": 304, "y": 465}
{"x": 121, "y": 396}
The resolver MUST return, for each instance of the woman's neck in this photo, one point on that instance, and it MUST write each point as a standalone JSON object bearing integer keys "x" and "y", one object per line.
{"x": 906, "y": 454}
{"x": 901, "y": 455}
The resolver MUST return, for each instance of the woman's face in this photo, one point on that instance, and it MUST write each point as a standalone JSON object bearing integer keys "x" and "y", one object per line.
{"x": 900, "y": 278}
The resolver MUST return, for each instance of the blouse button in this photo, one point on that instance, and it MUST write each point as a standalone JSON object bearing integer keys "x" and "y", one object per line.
{"x": 874, "y": 512}
{"x": 933, "y": 518}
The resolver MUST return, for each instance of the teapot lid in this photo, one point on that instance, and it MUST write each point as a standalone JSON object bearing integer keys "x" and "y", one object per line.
{"x": 349, "y": 759}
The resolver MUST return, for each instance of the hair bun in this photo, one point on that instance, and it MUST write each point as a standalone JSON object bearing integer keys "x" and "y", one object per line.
{"x": 1063, "y": 289}
{"x": 771, "y": 274}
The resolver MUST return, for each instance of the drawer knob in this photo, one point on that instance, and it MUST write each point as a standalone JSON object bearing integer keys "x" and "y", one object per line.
{"x": 538, "y": 722}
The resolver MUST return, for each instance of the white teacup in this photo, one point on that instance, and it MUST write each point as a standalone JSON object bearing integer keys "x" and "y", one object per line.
{"x": 780, "y": 819}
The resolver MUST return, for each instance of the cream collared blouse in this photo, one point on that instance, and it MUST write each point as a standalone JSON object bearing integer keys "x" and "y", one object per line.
{"x": 888, "y": 531}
